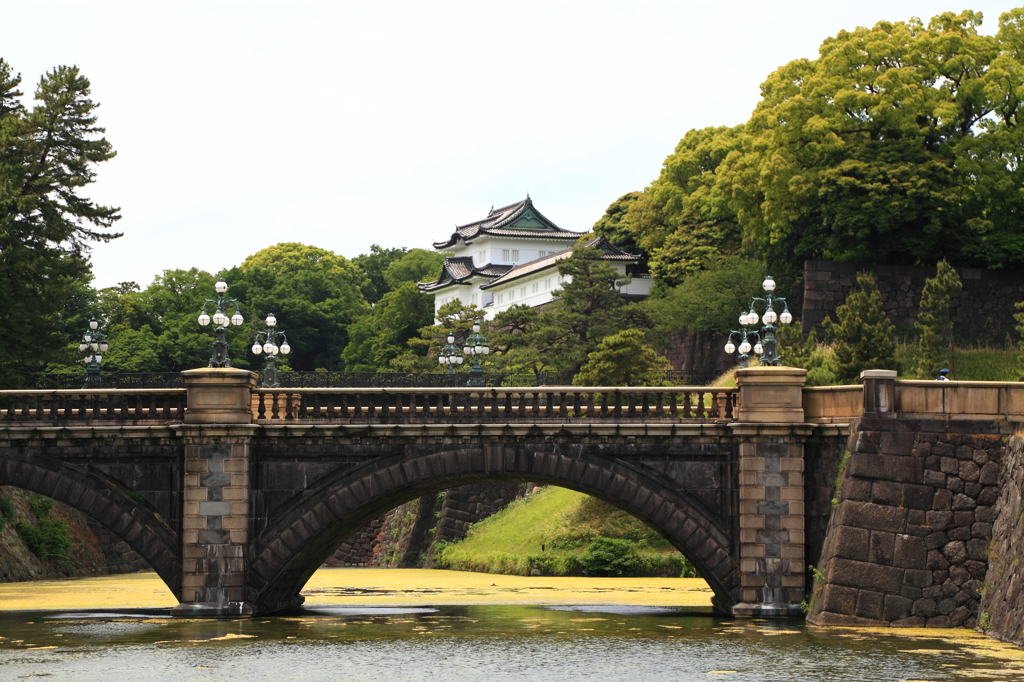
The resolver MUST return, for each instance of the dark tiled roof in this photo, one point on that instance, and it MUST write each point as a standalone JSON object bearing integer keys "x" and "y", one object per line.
{"x": 499, "y": 223}
{"x": 611, "y": 252}
{"x": 456, "y": 270}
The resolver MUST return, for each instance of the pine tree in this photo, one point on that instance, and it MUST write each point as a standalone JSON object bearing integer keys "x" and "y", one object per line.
{"x": 934, "y": 322}
{"x": 863, "y": 336}
{"x": 47, "y": 156}
{"x": 623, "y": 359}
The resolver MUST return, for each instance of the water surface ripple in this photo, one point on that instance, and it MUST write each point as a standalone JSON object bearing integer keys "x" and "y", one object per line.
{"x": 488, "y": 642}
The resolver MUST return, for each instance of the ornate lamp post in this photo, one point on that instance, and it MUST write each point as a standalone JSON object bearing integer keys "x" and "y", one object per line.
{"x": 220, "y": 358}
{"x": 270, "y": 347}
{"x": 766, "y": 344}
{"x": 94, "y": 342}
{"x": 476, "y": 345}
{"x": 450, "y": 356}
{"x": 743, "y": 336}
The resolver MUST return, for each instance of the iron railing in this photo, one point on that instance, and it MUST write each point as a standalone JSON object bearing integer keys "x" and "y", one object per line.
{"x": 330, "y": 379}
{"x": 108, "y": 380}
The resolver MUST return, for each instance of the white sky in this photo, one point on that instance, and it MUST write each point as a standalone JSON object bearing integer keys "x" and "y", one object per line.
{"x": 341, "y": 124}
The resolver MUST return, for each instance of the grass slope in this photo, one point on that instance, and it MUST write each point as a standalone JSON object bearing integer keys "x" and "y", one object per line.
{"x": 555, "y": 531}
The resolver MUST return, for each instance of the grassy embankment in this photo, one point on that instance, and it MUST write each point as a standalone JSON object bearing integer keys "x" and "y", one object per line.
{"x": 562, "y": 532}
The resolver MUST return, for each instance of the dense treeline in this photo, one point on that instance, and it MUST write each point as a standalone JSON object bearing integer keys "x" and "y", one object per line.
{"x": 900, "y": 143}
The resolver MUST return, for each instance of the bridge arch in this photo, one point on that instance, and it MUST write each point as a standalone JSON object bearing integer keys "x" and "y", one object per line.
{"x": 103, "y": 500}
{"x": 299, "y": 540}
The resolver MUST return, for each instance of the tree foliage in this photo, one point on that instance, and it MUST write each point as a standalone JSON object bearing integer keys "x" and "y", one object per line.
{"x": 48, "y": 155}
{"x": 585, "y": 309}
{"x": 711, "y": 299}
{"x": 315, "y": 294}
{"x": 863, "y": 336}
{"x": 623, "y": 359}
{"x": 935, "y": 323}
{"x": 900, "y": 143}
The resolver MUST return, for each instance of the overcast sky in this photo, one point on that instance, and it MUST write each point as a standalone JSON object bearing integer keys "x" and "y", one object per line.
{"x": 239, "y": 125}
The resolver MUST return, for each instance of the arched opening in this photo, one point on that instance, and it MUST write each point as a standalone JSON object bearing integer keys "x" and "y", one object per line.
{"x": 300, "y": 538}
{"x": 103, "y": 500}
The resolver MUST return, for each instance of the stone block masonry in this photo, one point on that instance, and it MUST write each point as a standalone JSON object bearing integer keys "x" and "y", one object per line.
{"x": 1002, "y": 603}
{"x": 908, "y": 540}
{"x": 215, "y": 523}
{"x": 984, "y": 309}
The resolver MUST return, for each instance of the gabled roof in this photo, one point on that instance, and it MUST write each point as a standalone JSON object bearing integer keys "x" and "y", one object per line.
{"x": 521, "y": 219}
{"x": 611, "y": 252}
{"x": 458, "y": 270}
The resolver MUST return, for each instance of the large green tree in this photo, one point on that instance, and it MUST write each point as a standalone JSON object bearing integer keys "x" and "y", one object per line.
{"x": 48, "y": 155}
{"x": 900, "y": 143}
{"x": 315, "y": 294}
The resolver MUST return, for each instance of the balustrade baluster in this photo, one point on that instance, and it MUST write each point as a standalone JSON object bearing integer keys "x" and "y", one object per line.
{"x": 275, "y": 410}
{"x": 730, "y": 403}
{"x": 261, "y": 405}
{"x": 590, "y": 404}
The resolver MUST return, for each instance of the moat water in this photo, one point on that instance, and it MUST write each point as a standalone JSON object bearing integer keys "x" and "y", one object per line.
{"x": 481, "y": 642}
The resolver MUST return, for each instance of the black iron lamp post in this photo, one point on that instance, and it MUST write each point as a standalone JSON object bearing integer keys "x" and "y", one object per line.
{"x": 765, "y": 342}
{"x": 476, "y": 345}
{"x": 450, "y": 356}
{"x": 270, "y": 347}
{"x": 95, "y": 343}
{"x": 220, "y": 358}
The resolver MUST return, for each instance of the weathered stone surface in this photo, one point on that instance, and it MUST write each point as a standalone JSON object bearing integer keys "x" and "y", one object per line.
{"x": 936, "y": 560}
{"x": 955, "y": 552}
{"x": 896, "y": 608}
{"x": 866, "y": 576}
{"x": 872, "y": 516}
{"x": 910, "y": 552}
{"x": 925, "y": 608}
{"x": 961, "y": 501}
{"x": 881, "y": 547}
{"x": 989, "y": 474}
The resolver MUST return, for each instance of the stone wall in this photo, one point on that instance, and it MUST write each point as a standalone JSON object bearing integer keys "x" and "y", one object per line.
{"x": 984, "y": 309}
{"x": 698, "y": 351}
{"x": 906, "y": 545}
{"x": 821, "y": 464}
{"x": 94, "y": 549}
{"x": 406, "y": 535}
{"x": 1002, "y": 605}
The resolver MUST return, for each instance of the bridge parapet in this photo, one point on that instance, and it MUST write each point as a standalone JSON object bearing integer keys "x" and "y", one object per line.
{"x": 561, "y": 404}
{"x": 88, "y": 407}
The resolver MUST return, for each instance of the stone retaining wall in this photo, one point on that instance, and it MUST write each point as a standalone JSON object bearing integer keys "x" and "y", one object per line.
{"x": 906, "y": 545}
{"x": 1002, "y": 604}
{"x": 406, "y": 535}
{"x": 984, "y": 309}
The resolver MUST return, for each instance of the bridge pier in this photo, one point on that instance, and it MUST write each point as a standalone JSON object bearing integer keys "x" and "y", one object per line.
{"x": 215, "y": 524}
{"x": 771, "y": 491}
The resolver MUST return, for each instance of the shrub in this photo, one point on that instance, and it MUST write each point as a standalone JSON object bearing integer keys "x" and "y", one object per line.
{"x": 610, "y": 557}
{"x": 49, "y": 539}
{"x": 6, "y": 512}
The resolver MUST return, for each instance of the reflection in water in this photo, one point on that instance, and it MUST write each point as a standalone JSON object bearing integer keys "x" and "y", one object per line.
{"x": 553, "y": 643}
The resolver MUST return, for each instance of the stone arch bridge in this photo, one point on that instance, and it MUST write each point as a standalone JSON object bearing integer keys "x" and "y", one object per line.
{"x": 236, "y": 495}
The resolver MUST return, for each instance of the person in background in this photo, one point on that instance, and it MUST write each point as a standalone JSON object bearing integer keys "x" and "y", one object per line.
{"x": 943, "y": 375}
